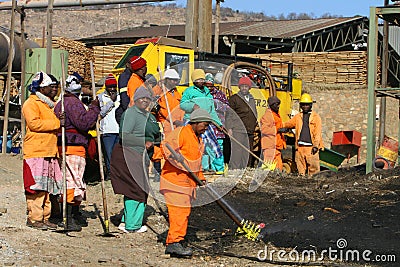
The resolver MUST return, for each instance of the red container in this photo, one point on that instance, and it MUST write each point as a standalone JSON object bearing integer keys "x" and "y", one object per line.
{"x": 346, "y": 138}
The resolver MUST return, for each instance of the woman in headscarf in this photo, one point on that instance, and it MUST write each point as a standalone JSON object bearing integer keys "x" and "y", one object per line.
{"x": 41, "y": 171}
{"x": 78, "y": 121}
{"x": 138, "y": 133}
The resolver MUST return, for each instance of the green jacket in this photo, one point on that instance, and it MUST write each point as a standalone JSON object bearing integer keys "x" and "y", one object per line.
{"x": 137, "y": 127}
{"x": 203, "y": 98}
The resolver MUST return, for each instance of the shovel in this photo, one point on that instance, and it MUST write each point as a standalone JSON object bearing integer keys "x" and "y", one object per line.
{"x": 105, "y": 222}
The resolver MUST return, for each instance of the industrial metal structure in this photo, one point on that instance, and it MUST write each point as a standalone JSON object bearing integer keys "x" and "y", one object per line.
{"x": 251, "y": 37}
{"x": 390, "y": 14}
{"x": 273, "y": 36}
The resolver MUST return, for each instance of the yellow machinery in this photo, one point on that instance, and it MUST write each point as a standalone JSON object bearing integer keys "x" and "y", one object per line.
{"x": 163, "y": 53}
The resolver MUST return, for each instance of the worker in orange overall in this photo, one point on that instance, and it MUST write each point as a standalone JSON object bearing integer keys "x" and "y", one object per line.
{"x": 308, "y": 136}
{"x": 169, "y": 102}
{"x": 272, "y": 141}
{"x": 139, "y": 71}
{"x": 176, "y": 183}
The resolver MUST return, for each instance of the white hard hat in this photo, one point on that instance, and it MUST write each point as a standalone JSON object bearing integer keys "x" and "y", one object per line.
{"x": 171, "y": 74}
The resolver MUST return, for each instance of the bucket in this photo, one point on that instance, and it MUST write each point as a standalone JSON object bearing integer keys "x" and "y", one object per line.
{"x": 9, "y": 143}
{"x": 389, "y": 149}
{"x": 330, "y": 159}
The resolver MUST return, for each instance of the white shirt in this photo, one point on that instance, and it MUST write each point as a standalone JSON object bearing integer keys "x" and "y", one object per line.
{"x": 108, "y": 124}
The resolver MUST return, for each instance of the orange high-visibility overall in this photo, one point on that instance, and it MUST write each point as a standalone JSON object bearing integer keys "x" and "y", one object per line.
{"x": 176, "y": 184}
{"x": 304, "y": 158}
{"x": 272, "y": 142}
{"x": 174, "y": 99}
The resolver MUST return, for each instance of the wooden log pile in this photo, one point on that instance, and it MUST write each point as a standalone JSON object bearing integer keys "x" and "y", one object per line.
{"x": 348, "y": 67}
{"x": 106, "y": 57}
{"x": 79, "y": 55}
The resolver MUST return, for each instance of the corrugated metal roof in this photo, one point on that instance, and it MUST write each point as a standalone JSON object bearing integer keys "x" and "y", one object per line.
{"x": 285, "y": 28}
{"x": 271, "y": 28}
{"x": 394, "y": 37}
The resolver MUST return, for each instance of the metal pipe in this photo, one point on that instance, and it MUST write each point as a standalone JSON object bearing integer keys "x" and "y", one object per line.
{"x": 372, "y": 65}
{"x": 22, "y": 96}
{"x": 216, "y": 31}
{"x": 49, "y": 36}
{"x": 384, "y": 76}
{"x": 27, "y": 4}
{"x": 9, "y": 71}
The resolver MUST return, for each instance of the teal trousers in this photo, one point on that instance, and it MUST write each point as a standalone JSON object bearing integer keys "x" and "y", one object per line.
{"x": 217, "y": 164}
{"x": 133, "y": 214}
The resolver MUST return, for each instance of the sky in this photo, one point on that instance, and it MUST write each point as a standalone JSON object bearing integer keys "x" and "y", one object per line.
{"x": 344, "y": 8}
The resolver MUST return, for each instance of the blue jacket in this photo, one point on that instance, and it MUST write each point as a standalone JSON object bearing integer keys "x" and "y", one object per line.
{"x": 203, "y": 98}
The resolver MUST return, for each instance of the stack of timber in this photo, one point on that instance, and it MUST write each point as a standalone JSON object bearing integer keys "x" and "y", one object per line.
{"x": 79, "y": 55}
{"x": 348, "y": 67}
{"x": 106, "y": 57}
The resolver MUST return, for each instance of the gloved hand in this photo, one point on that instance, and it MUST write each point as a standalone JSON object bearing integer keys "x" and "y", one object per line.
{"x": 314, "y": 150}
{"x": 204, "y": 184}
{"x": 149, "y": 144}
{"x": 95, "y": 102}
{"x": 283, "y": 130}
{"x": 178, "y": 123}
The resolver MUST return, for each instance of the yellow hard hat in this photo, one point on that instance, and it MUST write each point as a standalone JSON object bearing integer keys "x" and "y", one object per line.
{"x": 306, "y": 99}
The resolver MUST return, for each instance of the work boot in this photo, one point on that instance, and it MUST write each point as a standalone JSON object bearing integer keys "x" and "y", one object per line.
{"x": 71, "y": 223}
{"x": 78, "y": 217}
{"x": 36, "y": 225}
{"x": 51, "y": 226}
{"x": 177, "y": 250}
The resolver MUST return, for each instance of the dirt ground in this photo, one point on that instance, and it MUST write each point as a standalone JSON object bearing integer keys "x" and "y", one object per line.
{"x": 337, "y": 213}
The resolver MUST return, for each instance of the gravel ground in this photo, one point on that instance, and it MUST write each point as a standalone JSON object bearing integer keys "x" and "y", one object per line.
{"x": 367, "y": 216}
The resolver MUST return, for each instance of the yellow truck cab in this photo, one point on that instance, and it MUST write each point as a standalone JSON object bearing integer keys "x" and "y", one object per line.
{"x": 161, "y": 53}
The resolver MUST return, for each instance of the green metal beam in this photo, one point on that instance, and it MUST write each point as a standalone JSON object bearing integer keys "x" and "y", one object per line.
{"x": 372, "y": 66}
{"x": 387, "y": 10}
{"x": 387, "y": 89}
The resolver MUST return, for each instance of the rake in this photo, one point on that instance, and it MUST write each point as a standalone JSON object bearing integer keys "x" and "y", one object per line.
{"x": 250, "y": 230}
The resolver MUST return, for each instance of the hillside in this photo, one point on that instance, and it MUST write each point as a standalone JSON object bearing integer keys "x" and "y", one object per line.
{"x": 78, "y": 23}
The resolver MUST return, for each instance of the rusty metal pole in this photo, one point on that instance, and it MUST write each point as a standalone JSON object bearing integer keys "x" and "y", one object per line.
{"x": 9, "y": 73}
{"x": 216, "y": 29}
{"x": 384, "y": 75}
{"x": 49, "y": 36}
{"x": 192, "y": 22}
{"x": 22, "y": 82}
{"x": 205, "y": 19}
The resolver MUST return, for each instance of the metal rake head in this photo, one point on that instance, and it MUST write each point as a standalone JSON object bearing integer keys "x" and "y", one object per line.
{"x": 250, "y": 230}
{"x": 269, "y": 165}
